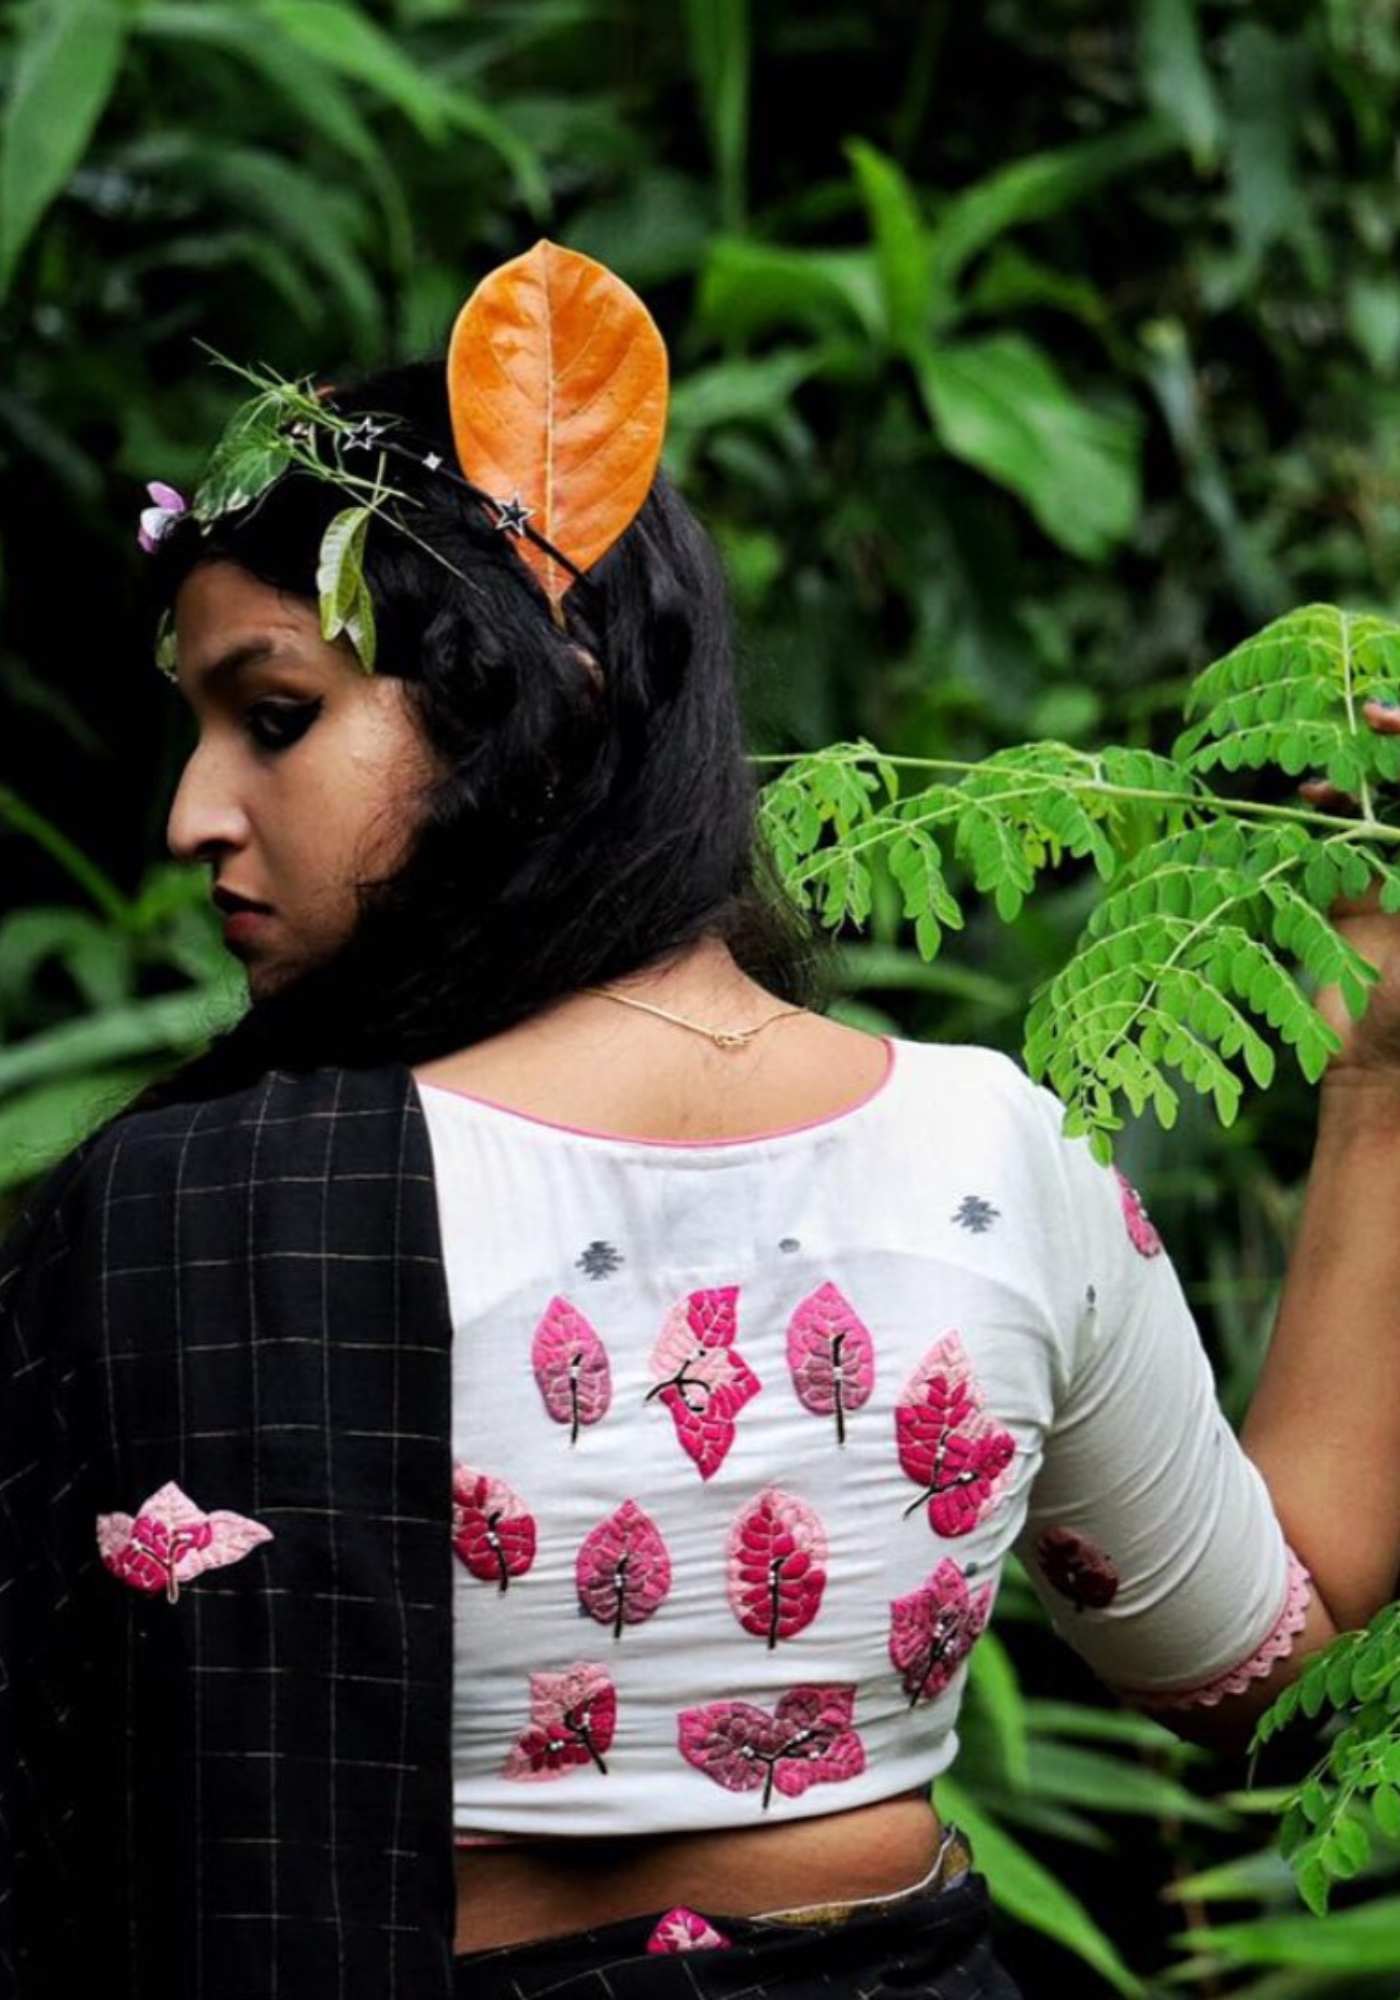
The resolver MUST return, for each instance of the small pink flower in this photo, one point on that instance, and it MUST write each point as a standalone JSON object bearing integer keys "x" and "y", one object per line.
{"x": 157, "y": 521}
{"x": 171, "y": 1541}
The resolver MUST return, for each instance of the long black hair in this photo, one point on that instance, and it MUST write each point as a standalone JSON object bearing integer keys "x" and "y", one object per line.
{"x": 595, "y": 811}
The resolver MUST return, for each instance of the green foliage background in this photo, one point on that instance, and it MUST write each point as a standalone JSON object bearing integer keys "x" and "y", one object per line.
{"x": 1029, "y": 357}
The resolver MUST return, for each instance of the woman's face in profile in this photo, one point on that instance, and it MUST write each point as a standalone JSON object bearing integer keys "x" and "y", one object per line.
{"x": 305, "y": 779}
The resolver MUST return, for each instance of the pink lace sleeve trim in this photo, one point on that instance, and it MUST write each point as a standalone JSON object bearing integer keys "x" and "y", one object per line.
{"x": 1277, "y": 1645}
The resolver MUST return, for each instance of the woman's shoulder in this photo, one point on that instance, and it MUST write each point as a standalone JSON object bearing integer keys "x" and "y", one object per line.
{"x": 259, "y": 1131}
{"x": 971, "y": 1070}
{"x": 999, "y": 1113}
{"x": 297, "y": 1157}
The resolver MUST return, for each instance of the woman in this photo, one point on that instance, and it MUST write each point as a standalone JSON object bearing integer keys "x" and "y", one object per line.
{"x": 537, "y": 1385}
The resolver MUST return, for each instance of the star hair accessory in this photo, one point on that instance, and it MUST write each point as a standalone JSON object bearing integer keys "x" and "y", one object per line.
{"x": 557, "y": 386}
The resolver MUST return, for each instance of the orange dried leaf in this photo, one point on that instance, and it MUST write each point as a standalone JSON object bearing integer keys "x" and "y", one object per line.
{"x": 557, "y": 379}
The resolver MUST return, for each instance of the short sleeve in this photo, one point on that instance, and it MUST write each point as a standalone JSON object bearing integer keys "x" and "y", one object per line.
{"x": 1150, "y": 1536}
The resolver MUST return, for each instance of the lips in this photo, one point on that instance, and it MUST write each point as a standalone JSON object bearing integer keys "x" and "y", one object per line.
{"x": 243, "y": 918}
{"x": 230, "y": 902}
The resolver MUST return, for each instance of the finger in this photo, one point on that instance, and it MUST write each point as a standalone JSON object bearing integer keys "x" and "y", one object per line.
{"x": 1382, "y": 715}
{"x": 1331, "y": 798}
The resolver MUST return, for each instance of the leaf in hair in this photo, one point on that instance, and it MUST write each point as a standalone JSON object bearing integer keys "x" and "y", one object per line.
{"x": 254, "y": 449}
{"x": 345, "y": 601}
{"x": 557, "y": 379}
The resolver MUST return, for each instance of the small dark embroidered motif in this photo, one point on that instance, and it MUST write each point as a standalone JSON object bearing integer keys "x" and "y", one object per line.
{"x": 599, "y": 1260}
{"x": 1077, "y": 1568}
{"x": 789, "y": 1243}
{"x": 975, "y": 1214}
{"x": 1091, "y": 1297}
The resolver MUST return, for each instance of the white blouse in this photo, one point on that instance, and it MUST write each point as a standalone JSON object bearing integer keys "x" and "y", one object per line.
{"x": 745, "y": 1431}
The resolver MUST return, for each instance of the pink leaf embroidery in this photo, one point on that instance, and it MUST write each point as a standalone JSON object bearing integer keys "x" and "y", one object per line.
{"x": 947, "y": 1443}
{"x": 807, "y": 1740}
{"x": 171, "y": 1541}
{"x": 831, "y": 1355}
{"x": 1141, "y": 1229}
{"x": 700, "y": 1375}
{"x": 573, "y": 1714}
{"x": 686, "y": 1930}
{"x": 492, "y": 1531}
{"x": 623, "y": 1570}
{"x": 934, "y": 1628}
{"x": 777, "y": 1555}
{"x": 1077, "y": 1567}
{"x": 571, "y": 1367}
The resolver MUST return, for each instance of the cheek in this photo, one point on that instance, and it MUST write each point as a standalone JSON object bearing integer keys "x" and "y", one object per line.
{"x": 379, "y": 796}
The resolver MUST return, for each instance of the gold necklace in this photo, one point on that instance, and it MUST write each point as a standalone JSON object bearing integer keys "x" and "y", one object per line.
{"x": 723, "y": 1038}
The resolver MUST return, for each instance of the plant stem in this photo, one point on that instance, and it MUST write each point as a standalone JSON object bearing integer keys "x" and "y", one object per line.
{"x": 1365, "y": 802}
{"x": 1368, "y": 827}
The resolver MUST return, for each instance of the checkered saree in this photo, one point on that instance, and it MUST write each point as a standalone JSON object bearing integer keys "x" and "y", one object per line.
{"x": 245, "y": 1791}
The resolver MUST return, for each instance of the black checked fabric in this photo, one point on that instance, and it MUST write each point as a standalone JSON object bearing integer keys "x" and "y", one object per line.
{"x": 933, "y": 1947}
{"x": 245, "y": 1793}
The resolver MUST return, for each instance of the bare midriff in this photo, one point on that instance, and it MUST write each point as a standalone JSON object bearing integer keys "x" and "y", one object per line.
{"x": 509, "y": 1895}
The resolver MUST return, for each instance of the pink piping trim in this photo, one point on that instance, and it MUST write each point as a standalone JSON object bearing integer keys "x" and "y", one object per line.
{"x": 676, "y": 1145}
{"x": 1277, "y": 1646}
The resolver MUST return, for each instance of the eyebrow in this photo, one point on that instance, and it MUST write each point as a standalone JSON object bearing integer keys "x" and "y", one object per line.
{"x": 252, "y": 652}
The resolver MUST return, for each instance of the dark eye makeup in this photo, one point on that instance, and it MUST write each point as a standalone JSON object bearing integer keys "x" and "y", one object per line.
{"x": 277, "y": 725}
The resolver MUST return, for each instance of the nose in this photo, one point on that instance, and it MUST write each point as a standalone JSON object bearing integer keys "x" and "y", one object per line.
{"x": 207, "y": 818}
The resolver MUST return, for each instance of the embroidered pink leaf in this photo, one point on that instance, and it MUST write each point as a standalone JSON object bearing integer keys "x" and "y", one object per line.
{"x": 777, "y": 1566}
{"x": 573, "y": 1714}
{"x": 571, "y": 1367}
{"x": 492, "y": 1531}
{"x": 831, "y": 1355}
{"x": 686, "y": 1930}
{"x": 948, "y": 1444}
{"x": 623, "y": 1570}
{"x": 171, "y": 1541}
{"x": 934, "y": 1628}
{"x": 1141, "y": 1229}
{"x": 700, "y": 1375}
{"x": 1077, "y": 1567}
{"x": 807, "y": 1740}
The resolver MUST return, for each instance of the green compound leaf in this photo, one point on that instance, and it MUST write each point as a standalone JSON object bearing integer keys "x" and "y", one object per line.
{"x": 344, "y": 596}
{"x": 1195, "y": 970}
{"x": 1291, "y": 696}
{"x": 1327, "y": 1833}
